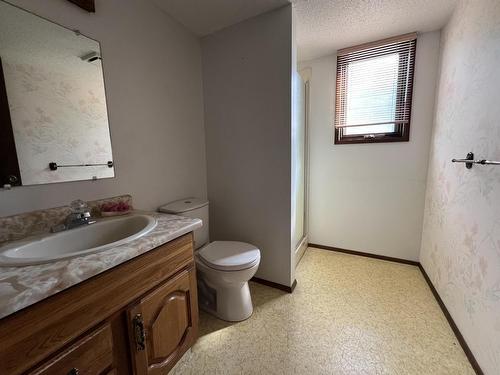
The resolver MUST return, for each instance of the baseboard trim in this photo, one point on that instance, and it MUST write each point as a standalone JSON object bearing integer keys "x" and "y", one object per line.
{"x": 272, "y": 284}
{"x": 363, "y": 254}
{"x": 451, "y": 322}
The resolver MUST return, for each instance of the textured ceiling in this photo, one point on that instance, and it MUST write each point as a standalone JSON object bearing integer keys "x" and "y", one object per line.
{"x": 325, "y": 26}
{"x": 203, "y": 17}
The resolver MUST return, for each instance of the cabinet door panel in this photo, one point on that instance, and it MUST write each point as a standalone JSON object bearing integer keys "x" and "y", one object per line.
{"x": 170, "y": 326}
{"x": 164, "y": 324}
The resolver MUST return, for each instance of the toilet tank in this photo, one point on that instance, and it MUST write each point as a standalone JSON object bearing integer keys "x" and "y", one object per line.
{"x": 191, "y": 207}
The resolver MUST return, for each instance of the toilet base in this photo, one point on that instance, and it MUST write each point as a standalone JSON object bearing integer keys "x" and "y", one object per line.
{"x": 231, "y": 303}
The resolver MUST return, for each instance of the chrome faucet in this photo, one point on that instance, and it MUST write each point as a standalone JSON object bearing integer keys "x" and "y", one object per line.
{"x": 80, "y": 215}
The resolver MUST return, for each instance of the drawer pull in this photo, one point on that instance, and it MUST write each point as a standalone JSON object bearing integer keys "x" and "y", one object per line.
{"x": 73, "y": 371}
{"x": 140, "y": 335}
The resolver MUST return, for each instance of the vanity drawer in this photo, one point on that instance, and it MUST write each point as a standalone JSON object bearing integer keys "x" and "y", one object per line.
{"x": 91, "y": 355}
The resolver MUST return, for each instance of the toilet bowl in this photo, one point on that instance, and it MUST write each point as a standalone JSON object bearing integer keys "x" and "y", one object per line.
{"x": 223, "y": 267}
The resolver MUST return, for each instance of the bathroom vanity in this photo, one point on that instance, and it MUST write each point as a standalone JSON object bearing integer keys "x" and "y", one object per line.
{"x": 115, "y": 297}
{"x": 139, "y": 315}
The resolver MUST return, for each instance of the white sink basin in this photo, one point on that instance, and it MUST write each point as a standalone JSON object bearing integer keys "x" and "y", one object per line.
{"x": 76, "y": 242}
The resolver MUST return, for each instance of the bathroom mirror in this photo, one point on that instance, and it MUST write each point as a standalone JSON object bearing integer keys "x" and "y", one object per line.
{"x": 53, "y": 115}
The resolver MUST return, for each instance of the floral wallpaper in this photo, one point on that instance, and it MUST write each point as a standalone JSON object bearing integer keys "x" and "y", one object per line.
{"x": 58, "y": 114}
{"x": 461, "y": 235}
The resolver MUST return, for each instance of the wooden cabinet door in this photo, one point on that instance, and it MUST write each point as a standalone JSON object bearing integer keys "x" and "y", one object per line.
{"x": 164, "y": 324}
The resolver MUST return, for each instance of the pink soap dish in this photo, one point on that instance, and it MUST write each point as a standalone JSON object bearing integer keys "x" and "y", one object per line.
{"x": 115, "y": 209}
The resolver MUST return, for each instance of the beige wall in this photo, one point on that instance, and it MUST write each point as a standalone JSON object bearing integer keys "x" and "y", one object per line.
{"x": 152, "y": 69}
{"x": 370, "y": 197}
{"x": 461, "y": 234}
{"x": 247, "y": 91}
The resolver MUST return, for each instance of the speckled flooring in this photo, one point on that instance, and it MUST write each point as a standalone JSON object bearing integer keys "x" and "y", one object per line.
{"x": 348, "y": 315}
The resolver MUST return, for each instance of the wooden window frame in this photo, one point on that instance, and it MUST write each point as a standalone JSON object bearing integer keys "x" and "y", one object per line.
{"x": 402, "y": 131}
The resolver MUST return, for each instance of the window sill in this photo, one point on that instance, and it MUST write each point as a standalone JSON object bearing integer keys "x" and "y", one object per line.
{"x": 358, "y": 140}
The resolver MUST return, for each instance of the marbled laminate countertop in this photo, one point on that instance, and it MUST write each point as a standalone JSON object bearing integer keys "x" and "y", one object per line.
{"x": 23, "y": 286}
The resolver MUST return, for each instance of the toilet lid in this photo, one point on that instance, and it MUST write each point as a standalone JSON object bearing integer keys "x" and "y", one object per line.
{"x": 229, "y": 255}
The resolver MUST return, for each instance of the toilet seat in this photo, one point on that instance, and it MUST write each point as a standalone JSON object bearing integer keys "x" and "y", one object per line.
{"x": 229, "y": 255}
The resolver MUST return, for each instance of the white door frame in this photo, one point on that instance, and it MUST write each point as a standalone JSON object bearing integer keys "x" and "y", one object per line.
{"x": 302, "y": 246}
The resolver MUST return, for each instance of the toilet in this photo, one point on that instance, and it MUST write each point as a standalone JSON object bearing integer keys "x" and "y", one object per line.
{"x": 223, "y": 267}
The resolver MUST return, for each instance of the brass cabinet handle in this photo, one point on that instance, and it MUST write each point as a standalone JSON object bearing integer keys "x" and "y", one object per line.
{"x": 140, "y": 335}
{"x": 73, "y": 371}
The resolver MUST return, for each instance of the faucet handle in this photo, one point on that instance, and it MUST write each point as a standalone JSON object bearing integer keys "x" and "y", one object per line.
{"x": 79, "y": 207}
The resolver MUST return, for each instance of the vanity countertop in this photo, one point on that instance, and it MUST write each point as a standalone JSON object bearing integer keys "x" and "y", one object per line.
{"x": 23, "y": 286}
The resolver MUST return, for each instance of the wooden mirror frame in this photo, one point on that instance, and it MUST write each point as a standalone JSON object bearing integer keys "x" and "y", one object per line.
{"x": 88, "y": 5}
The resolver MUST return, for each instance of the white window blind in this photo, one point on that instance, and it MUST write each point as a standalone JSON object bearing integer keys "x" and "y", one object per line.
{"x": 374, "y": 86}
